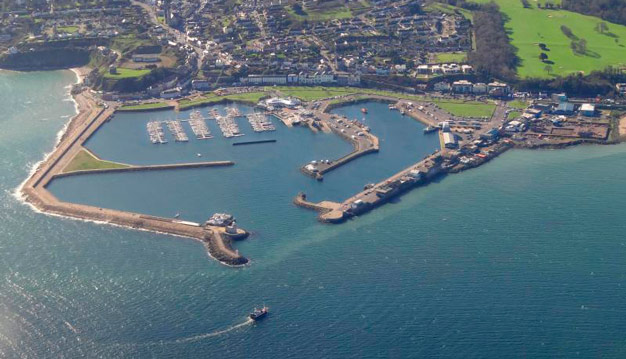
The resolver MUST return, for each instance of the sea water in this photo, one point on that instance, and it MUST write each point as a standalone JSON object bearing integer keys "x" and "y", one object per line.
{"x": 524, "y": 256}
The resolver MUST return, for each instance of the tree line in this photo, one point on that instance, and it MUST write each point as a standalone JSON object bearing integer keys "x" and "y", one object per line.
{"x": 494, "y": 55}
{"x": 609, "y": 10}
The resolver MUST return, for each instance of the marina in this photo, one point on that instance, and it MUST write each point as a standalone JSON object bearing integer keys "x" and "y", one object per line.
{"x": 155, "y": 132}
{"x": 176, "y": 128}
{"x": 260, "y": 122}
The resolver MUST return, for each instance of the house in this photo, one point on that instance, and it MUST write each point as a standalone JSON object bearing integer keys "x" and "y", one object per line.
{"x": 423, "y": 69}
{"x": 479, "y": 88}
{"x": 442, "y": 87}
{"x": 588, "y": 110}
{"x": 200, "y": 85}
{"x": 565, "y": 108}
{"x": 498, "y": 89}
{"x": 559, "y": 97}
{"x": 172, "y": 93}
{"x": 621, "y": 88}
{"x": 146, "y": 58}
{"x": 462, "y": 86}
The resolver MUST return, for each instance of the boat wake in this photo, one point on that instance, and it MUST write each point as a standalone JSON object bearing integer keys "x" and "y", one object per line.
{"x": 215, "y": 333}
{"x": 190, "y": 339}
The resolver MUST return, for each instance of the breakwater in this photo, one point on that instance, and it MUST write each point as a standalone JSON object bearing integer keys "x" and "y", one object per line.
{"x": 90, "y": 117}
{"x": 253, "y": 142}
{"x": 147, "y": 168}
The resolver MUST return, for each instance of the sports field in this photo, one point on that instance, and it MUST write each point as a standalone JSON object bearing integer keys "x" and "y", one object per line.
{"x": 530, "y": 27}
{"x": 123, "y": 73}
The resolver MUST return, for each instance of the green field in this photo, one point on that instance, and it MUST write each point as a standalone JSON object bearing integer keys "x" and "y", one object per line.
{"x": 340, "y": 12}
{"x": 145, "y": 106}
{"x": 250, "y": 97}
{"x": 519, "y": 104}
{"x": 84, "y": 160}
{"x": 513, "y": 115}
{"x": 123, "y": 73}
{"x": 529, "y": 27}
{"x": 313, "y": 93}
{"x": 466, "y": 109}
{"x": 67, "y": 29}
{"x": 449, "y": 9}
{"x": 448, "y": 57}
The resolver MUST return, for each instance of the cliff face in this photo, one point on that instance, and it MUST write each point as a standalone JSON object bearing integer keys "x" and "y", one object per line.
{"x": 45, "y": 59}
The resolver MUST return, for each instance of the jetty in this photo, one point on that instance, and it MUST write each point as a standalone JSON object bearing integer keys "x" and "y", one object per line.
{"x": 155, "y": 132}
{"x": 199, "y": 126}
{"x": 228, "y": 126}
{"x": 92, "y": 114}
{"x": 177, "y": 131}
{"x": 260, "y": 122}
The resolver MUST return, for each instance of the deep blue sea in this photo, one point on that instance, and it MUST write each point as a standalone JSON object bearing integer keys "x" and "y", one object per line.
{"x": 523, "y": 257}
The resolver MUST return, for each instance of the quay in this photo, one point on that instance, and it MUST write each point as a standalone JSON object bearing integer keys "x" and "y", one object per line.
{"x": 92, "y": 114}
{"x": 355, "y": 132}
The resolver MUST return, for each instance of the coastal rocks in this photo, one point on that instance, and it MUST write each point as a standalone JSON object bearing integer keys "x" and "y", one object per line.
{"x": 219, "y": 246}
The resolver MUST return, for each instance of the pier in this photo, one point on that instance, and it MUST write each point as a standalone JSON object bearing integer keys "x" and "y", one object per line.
{"x": 355, "y": 132}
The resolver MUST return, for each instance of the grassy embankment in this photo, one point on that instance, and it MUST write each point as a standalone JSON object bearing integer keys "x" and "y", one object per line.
{"x": 455, "y": 107}
{"x": 529, "y": 27}
{"x": 145, "y": 106}
{"x": 251, "y": 97}
{"x": 85, "y": 160}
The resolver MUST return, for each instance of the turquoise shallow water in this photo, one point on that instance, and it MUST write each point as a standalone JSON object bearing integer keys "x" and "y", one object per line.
{"x": 524, "y": 256}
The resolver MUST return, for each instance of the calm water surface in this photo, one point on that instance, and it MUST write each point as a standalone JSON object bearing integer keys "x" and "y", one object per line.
{"x": 525, "y": 256}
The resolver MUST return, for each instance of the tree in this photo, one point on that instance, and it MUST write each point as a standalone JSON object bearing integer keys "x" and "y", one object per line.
{"x": 548, "y": 69}
{"x": 602, "y": 27}
{"x": 582, "y": 46}
{"x": 543, "y": 57}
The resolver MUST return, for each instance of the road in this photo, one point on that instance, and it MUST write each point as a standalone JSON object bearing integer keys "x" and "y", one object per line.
{"x": 180, "y": 37}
